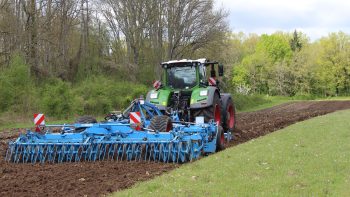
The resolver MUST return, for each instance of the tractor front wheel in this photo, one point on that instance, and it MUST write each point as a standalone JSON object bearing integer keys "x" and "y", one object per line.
{"x": 210, "y": 113}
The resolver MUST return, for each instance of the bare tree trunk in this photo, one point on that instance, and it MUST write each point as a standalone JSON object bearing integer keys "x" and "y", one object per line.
{"x": 32, "y": 26}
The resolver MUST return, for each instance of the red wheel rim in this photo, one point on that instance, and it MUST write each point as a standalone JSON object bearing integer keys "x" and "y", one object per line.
{"x": 217, "y": 114}
{"x": 230, "y": 117}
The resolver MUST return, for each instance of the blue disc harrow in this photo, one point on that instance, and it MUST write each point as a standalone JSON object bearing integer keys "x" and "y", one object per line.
{"x": 116, "y": 140}
{"x": 179, "y": 145}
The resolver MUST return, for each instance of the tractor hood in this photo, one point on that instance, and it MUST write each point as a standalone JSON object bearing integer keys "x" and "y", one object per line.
{"x": 159, "y": 98}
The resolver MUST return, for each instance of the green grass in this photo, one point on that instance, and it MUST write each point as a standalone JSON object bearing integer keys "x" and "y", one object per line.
{"x": 340, "y": 98}
{"x": 270, "y": 101}
{"x": 29, "y": 123}
{"x": 310, "y": 158}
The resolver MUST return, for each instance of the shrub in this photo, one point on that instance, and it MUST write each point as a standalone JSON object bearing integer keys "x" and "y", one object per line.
{"x": 16, "y": 87}
{"x": 101, "y": 95}
{"x": 58, "y": 99}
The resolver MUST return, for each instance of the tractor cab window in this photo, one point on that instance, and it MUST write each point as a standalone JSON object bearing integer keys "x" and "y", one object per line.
{"x": 202, "y": 74}
{"x": 181, "y": 77}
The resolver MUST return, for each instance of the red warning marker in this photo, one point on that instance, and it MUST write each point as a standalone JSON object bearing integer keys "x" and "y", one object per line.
{"x": 135, "y": 118}
{"x": 39, "y": 120}
{"x": 212, "y": 81}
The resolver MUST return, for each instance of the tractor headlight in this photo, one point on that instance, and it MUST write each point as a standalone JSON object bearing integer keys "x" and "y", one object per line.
{"x": 203, "y": 93}
{"x": 154, "y": 95}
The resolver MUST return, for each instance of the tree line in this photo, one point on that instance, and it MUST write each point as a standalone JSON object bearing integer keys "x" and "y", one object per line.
{"x": 71, "y": 39}
{"x": 90, "y": 56}
{"x": 290, "y": 64}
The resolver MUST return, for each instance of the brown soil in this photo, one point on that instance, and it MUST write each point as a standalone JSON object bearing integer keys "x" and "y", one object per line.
{"x": 95, "y": 179}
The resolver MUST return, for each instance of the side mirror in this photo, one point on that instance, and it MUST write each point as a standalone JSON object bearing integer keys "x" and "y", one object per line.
{"x": 221, "y": 70}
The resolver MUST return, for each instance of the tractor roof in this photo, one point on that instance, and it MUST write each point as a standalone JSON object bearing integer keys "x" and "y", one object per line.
{"x": 202, "y": 60}
{"x": 187, "y": 62}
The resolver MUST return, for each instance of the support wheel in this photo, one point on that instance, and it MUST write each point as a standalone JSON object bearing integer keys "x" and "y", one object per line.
{"x": 161, "y": 123}
{"x": 220, "y": 139}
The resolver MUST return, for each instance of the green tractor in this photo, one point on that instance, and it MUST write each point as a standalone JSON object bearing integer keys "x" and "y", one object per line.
{"x": 187, "y": 88}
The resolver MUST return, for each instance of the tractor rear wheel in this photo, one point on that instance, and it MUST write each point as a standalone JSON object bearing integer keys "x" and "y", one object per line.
{"x": 220, "y": 139}
{"x": 228, "y": 114}
{"x": 210, "y": 113}
{"x": 161, "y": 123}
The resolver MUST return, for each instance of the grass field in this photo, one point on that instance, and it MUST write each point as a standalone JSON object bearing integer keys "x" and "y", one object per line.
{"x": 28, "y": 123}
{"x": 269, "y": 102}
{"x": 310, "y": 158}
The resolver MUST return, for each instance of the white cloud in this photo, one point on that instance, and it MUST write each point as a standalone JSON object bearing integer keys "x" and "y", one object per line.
{"x": 316, "y": 18}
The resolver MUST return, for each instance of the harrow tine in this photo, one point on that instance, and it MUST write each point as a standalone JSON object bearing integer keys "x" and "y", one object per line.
{"x": 9, "y": 151}
{"x": 26, "y": 154}
{"x": 150, "y": 151}
{"x": 138, "y": 152}
{"x": 48, "y": 153}
{"x": 146, "y": 152}
{"x": 15, "y": 156}
{"x": 124, "y": 152}
{"x": 129, "y": 152}
{"x": 105, "y": 148}
{"x": 54, "y": 152}
{"x": 79, "y": 153}
{"x": 44, "y": 153}
{"x": 14, "y": 153}
{"x": 114, "y": 149}
{"x": 161, "y": 147}
{"x": 22, "y": 154}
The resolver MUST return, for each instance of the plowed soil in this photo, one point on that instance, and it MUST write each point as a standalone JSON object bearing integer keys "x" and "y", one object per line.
{"x": 99, "y": 178}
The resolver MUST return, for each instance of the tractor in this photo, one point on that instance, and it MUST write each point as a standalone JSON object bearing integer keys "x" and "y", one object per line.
{"x": 192, "y": 88}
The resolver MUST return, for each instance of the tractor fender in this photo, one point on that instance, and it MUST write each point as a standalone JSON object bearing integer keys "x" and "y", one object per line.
{"x": 209, "y": 101}
{"x": 225, "y": 97}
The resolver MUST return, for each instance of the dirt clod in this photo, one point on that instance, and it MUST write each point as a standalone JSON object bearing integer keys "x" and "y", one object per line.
{"x": 96, "y": 179}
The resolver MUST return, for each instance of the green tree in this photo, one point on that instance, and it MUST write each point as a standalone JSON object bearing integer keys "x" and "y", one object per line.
{"x": 334, "y": 66}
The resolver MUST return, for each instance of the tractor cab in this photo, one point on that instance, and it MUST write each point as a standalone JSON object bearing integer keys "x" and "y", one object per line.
{"x": 189, "y": 74}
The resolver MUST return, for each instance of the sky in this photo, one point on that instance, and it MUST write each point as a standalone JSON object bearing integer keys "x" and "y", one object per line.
{"x": 316, "y": 18}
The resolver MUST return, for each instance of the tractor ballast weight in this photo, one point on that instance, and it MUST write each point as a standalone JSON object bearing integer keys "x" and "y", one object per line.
{"x": 117, "y": 139}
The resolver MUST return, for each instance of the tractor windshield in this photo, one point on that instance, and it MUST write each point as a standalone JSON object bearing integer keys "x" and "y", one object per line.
{"x": 181, "y": 77}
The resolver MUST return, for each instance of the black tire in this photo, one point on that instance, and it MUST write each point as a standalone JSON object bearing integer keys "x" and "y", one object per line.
{"x": 228, "y": 114}
{"x": 86, "y": 120}
{"x": 220, "y": 139}
{"x": 161, "y": 124}
{"x": 208, "y": 112}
